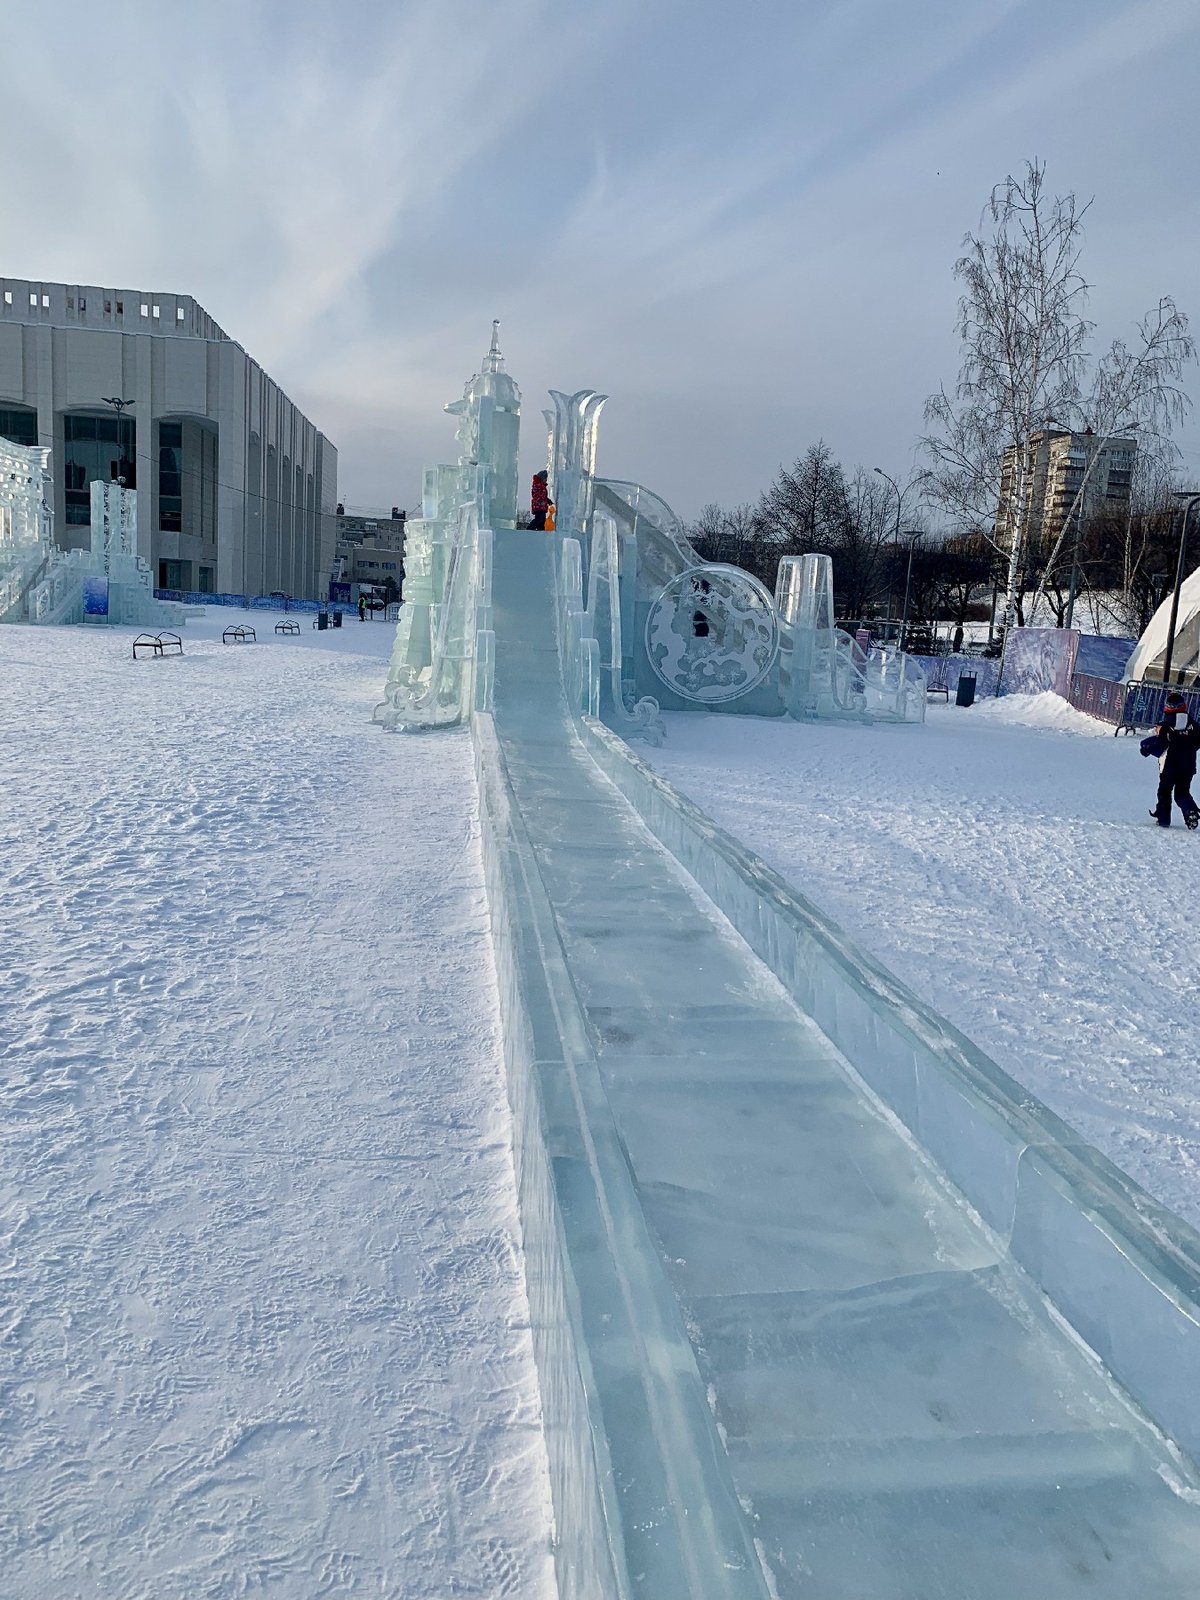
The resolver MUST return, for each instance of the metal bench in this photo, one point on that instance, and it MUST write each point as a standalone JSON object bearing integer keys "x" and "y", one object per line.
{"x": 157, "y": 644}
{"x": 287, "y": 627}
{"x": 239, "y": 635}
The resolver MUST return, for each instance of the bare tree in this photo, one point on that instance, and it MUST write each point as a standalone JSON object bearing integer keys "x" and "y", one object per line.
{"x": 1023, "y": 337}
{"x": 1133, "y": 391}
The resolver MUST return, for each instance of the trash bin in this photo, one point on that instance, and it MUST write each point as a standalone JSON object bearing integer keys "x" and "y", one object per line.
{"x": 337, "y": 619}
{"x": 322, "y": 621}
{"x": 966, "y": 690}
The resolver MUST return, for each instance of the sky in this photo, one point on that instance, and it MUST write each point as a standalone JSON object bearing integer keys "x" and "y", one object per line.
{"x": 738, "y": 220}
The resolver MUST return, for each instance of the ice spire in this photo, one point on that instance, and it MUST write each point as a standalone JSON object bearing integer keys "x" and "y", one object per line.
{"x": 494, "y": 361}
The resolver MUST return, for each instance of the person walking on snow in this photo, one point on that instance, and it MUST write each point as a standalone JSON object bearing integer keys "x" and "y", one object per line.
{"x": 539, "y": 500}
{"x": 362, "y": 608}
{"x": 1175, "y": 741}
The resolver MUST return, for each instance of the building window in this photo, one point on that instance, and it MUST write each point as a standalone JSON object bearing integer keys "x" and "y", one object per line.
{"x": 108, "y": 308}
{"x": 8, "y": 297}
{"x": 45, "y": 302}
{"x": 154, "y": 311}
{"x": 120, "y": 308}
{"x": 170, "y": 477}
{"x": 179, "y": 316}
{"x": 33, "y": 300}
{"x": 83, "y": 305}
{"x": 92, "y": 450}
{"x": 70, "y": 302}
{"x": 175, "y": 575}
{"x": 145, "y": 310}
{"x": 204, "y": 581}
{"x": 19, "y": 425}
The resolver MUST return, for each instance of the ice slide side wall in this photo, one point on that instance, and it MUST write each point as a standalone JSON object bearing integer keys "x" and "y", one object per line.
{"x": 643, "y": 1500}
{"x": 1124, "y": 1272}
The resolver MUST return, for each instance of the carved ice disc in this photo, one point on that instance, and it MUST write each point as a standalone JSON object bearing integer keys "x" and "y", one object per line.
{"x": 712, "y": 634}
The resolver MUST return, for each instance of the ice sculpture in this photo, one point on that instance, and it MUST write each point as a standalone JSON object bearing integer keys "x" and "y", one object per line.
{"x": 26, "y": 527}
{"x": 826, "y": 674}
{"x": 712, "y": 635}
{"x": 610, "y": 595}
{"x": 489, "y": 434}
{"x": 573, "y": 427}
{"x": 109, "y": 582}
{"x": 440, "y": 666}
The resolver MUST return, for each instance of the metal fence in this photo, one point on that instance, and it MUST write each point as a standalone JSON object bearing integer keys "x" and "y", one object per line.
{"x": 1127, "y": 706}
{"x": 1144, "y": 704}
{"x": 1099, "y": 697}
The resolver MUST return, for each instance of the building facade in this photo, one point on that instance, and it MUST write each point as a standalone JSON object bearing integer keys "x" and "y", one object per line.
{"x": 237, "y": 489}
{"x": 370, "y": 549}
{"x": 1058, "y": 463}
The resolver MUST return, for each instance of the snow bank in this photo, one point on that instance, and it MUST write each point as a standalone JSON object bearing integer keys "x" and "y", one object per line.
{"x": 1045, "y": 710}
{"x": 264, "y": 1325}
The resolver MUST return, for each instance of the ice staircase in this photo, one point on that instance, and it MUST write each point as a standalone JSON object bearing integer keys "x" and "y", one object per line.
{"x": 785, "y": 1358}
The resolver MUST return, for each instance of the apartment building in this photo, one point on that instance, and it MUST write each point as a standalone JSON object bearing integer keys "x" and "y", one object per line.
{"x": 1057, "y": 465}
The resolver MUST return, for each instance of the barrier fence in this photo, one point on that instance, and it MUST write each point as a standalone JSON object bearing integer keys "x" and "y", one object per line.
{"x": 1127, "y": 706}
{"x": 274, "y": 602}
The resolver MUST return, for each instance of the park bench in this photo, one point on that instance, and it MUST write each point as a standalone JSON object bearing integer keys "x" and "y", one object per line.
{"x": 239, "y": 635}
{"x": 157, "y": 644}
{"x": 287, "y": 627}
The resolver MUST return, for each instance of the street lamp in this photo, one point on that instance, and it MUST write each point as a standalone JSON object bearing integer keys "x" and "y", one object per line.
{"x": 912, "y": 535}
{"x": 119, "y": 407}
{"x": 1191, "y": 500}
{"x": 899, "y": 506}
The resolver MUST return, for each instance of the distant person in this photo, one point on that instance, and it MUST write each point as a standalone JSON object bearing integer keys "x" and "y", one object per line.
{"x": 362, "y": 608}
{"x": 958, "y": 639}
{"x": 539, "y": 500}
{"x": 1175, "y": 742}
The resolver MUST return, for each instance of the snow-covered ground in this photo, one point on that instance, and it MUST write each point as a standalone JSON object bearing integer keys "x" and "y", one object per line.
{"x": 263, "y": 1326}
{"x": 1001, "y": 861}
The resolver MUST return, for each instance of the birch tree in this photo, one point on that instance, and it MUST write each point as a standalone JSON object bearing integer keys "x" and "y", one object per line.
{"x": 1023, "y": 338}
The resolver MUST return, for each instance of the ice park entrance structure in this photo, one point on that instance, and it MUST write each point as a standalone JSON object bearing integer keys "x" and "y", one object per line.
{"x": 824, "y": 1305}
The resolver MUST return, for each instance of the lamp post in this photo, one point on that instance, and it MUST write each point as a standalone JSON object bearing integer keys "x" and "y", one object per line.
{"x": 1190, "y": 500}
{"x": 119, "y": 407}
{"x": 912, "y": 535}
{"x": 899, "y": 508}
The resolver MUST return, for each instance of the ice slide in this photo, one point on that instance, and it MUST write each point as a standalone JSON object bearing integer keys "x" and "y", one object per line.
{"x": 786, "y": 1359}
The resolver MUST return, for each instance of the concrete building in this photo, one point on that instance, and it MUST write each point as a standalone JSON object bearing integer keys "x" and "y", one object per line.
{"x": 1056, "y": 462}
{"x": 370, "y": 549}
{"x": 236, "y": 488}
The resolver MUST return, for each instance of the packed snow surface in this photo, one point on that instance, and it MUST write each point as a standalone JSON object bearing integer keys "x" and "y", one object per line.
{"x": 1001, "y": 861}
{"x": 263, "y": 1327}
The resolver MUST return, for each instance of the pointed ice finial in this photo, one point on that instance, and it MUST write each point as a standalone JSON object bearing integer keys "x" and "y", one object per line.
{"x": 494, "y": 361}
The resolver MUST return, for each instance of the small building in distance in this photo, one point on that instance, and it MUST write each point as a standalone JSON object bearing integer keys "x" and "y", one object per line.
{"x": 370, "y": 547}
{"x": 1056, "y": 463}
{"x": 236, "y": 487}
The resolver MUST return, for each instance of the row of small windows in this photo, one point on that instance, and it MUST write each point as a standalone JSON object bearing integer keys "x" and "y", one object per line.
{"x": 148, "y": 308}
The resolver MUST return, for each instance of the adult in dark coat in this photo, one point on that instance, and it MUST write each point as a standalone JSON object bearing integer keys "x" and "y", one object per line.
{"x": 539, "y": 499}
{"x": 1177, "y": 738}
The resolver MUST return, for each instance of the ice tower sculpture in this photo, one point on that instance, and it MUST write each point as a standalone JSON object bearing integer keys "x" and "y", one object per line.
{"x": 441, "y": 661}
{"x": 26, "y": 527}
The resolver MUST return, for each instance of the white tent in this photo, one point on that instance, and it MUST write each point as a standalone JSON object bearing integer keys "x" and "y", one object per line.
{"x": 1148, "y": 659}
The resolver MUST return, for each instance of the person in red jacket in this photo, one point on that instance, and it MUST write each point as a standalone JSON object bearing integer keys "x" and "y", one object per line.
{"x": 539, "y": 499}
